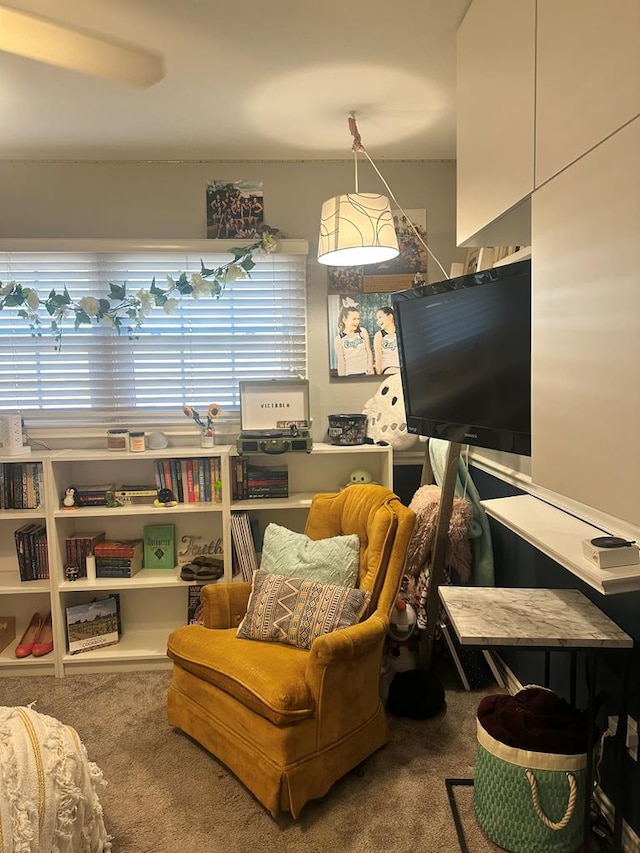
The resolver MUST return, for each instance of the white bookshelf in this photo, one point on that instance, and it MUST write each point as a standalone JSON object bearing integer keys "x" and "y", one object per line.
{"x": 154, "y": 601}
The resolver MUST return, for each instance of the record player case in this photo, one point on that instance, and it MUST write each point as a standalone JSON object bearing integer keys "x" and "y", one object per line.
{"x": 274, "y": 416}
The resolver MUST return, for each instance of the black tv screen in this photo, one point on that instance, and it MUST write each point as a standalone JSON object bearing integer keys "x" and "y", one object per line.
{"x": 465, "y": 358}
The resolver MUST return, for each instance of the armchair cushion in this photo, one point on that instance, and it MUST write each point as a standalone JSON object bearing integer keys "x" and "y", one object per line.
{"x": 245, "y": 670}
{"x": 295, "y": 611}
{"x": 335, "y": 559}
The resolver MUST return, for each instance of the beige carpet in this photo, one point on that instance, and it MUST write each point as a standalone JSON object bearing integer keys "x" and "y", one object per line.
{"x": 166, "y": 795}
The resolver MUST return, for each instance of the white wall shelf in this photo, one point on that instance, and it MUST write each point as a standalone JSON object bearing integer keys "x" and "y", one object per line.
{"x": 559, "y": 535}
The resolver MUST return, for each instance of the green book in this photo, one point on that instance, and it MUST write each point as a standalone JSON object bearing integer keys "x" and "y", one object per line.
{"x": 159, "y": 546}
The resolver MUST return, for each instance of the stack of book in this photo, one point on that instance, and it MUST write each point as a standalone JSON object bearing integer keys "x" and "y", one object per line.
{"x": 79, "y": 546}
{"x": 31, "y": 548}
{"x": 118, "y": 558}
{"x": 20, "y": 485}
{"x": 131, "y": 494}
{"x": 267, "y": 481}
{"x": 191, "y": 480}
{"x": 93, "y": 495}
{"x": 244, "y": 550}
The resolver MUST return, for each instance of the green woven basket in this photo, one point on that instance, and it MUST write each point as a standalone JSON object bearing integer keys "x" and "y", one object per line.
{"x": 529, "y": 802}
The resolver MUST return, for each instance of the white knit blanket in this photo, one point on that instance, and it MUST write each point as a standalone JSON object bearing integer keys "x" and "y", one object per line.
{"x": 48, "y": 799}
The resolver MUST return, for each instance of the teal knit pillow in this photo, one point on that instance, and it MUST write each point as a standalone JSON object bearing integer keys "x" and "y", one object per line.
{"x": 335, "y": 560}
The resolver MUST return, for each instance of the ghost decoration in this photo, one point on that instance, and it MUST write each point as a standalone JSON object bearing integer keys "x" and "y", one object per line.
{"x": 386, "y": 418}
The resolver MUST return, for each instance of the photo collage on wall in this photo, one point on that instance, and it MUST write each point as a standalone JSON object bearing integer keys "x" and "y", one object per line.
{"x": 235, "y": 210}
{"x": 361, "y": 325}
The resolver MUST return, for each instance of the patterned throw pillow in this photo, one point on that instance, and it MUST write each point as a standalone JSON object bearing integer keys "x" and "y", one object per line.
{"x": 332, "y": 560}
{"x": 295, "y": 611}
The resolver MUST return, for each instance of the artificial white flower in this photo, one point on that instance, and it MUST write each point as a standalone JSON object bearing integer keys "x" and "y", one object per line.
{"x": 147, "y": 302}
{"x": 5, "y": 289}
{"x": 171, "y": 285}
{"x": 200, "y": 286}
{"x": 269, "y": 243}
{"x": 170, "y": 306}
{"x": 90, "y": 305}
{"x": 33, "y": 300}
{"x": 235, "y": 273}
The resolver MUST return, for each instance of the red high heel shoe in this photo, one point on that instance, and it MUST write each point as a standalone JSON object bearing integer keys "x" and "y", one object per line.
{"x": 44, "y": 641}
{"x": 25, "y": 646}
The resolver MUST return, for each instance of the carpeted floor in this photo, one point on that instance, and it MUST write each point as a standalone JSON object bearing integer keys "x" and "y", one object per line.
{"x": 166, "y": 794}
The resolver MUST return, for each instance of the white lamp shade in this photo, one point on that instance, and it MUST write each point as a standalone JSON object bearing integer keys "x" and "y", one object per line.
{"x": 357, "y": 229}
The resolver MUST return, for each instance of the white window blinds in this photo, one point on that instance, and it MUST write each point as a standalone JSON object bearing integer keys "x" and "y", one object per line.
{"x": 197, "y": 355}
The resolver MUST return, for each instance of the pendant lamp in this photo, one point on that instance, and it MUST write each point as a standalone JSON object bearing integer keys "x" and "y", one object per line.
{"x": 357, "y": 228}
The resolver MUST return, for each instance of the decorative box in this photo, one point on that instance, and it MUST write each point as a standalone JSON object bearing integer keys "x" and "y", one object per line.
{"x": 7, "y": 631}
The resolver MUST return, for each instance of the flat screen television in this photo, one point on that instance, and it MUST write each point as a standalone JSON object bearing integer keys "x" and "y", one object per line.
{"x": 465, "y": 357}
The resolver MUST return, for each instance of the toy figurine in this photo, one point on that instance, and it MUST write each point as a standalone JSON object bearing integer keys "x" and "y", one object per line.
{"x": 70, "y": 499}
{"x": 165, "y": 498}
{"x": 72, "y": 573}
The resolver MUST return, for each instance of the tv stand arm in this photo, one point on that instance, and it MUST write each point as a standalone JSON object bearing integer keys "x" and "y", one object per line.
{"x": 447, "y": 495}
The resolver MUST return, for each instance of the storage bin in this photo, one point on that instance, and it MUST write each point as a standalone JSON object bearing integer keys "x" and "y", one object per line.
{"x": 527, "y": 801}
{"x": 347, "y": 429}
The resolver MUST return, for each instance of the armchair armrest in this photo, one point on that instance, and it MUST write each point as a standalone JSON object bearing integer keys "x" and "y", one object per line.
{"x": 349, "y": 643}
{"x": 354, "y": 649}
{"x": 224, "y": 604}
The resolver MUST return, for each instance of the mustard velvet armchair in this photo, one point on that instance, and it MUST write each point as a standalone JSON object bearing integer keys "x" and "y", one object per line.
{"x": 290, "y": 722}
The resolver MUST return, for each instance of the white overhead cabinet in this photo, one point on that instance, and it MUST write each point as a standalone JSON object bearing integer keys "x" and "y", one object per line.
{"x": 585, "y": 340}
{"x": 587, "y": 77}
{"x": 585, "y": 220}
{"x": 495, "y": 121}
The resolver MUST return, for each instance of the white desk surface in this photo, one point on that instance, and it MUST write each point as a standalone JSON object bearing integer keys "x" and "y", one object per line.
{"x": 559, "y": 535}
{"x": 495, "y": 616}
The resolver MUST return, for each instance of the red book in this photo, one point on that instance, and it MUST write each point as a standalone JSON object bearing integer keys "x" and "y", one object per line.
{"x": 118, "y": 548}
{"x": 191, "y": 497}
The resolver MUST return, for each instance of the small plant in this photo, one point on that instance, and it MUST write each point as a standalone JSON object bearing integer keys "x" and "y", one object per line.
{"x": 213, "y": 412}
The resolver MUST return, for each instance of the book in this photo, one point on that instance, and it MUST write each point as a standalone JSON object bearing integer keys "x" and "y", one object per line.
{"x": 116, "y": 597}
{"x": 131, "y": 495}
{"x": 92, "y": 625}
{"x": 119, "y": 548}
{"x": 118, "y": 558}
{"x": 117, "y": 571}
{"x": 159, "y": 546}
{"x": 79, "y": 546}
{"x": 194, "y": 615}
{"x": 243, "y": 544}
{"x": 93, "y": 495}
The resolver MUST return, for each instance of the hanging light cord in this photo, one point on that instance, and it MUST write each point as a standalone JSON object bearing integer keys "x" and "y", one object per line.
{"x": 358, "y": 148}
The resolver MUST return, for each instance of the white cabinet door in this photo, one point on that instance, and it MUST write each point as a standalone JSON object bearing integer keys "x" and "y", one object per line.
{"x": 495, "y": 102}
{"x": 585, "y": 343}
{"x": 587, "y": 77}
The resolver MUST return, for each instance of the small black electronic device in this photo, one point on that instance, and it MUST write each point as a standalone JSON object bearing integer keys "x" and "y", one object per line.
{"x": 611, "y": 542}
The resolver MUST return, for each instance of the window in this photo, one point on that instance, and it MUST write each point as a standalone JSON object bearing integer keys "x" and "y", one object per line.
{"x": 256, "y": 330}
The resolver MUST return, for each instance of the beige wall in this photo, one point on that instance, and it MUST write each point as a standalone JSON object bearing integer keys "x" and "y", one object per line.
{"x": 167, "y": 200}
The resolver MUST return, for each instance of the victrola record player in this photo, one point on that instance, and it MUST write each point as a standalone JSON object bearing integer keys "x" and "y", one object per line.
{"x": 274, "y": 416}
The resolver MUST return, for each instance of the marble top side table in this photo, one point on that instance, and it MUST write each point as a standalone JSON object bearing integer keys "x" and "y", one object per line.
{"x": 549, "y": 620}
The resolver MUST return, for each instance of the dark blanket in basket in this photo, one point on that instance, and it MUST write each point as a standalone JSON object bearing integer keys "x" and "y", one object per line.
{"x": 535, "y": 719}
